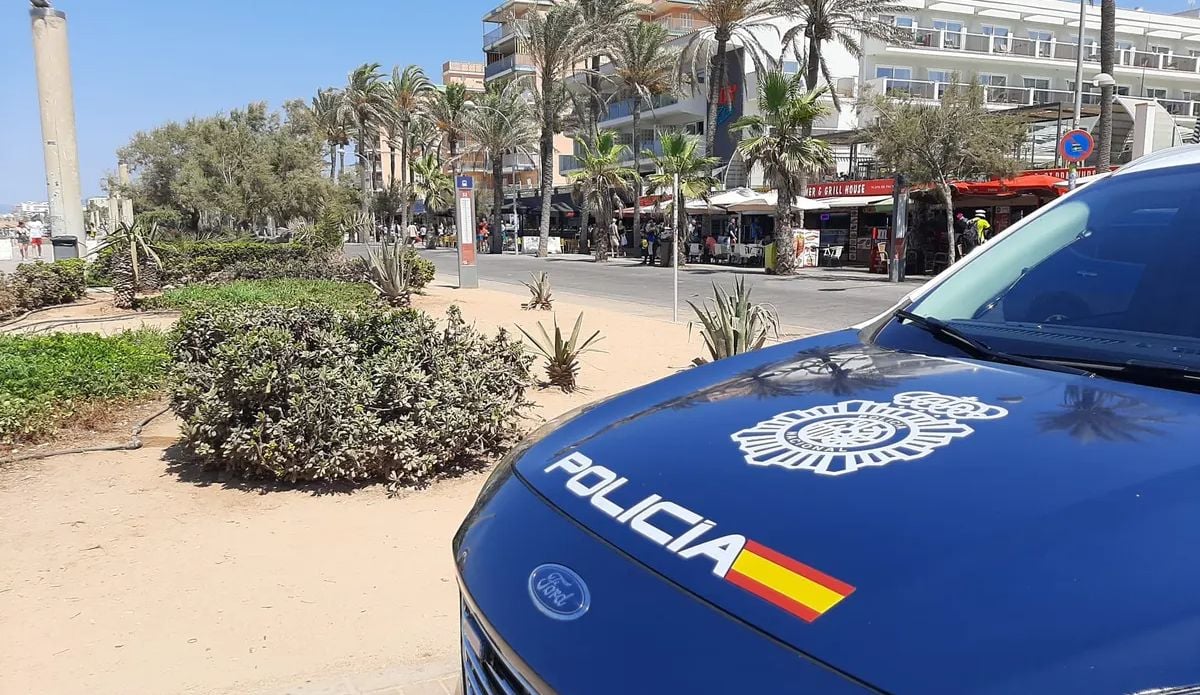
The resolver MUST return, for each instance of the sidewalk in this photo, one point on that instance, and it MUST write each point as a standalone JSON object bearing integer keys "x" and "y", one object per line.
{"x": 429, "y": 679}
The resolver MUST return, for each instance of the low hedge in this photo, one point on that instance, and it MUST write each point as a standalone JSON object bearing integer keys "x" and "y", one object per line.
{"x": 226, "y": 261}
{"x": 38, "y": 285}
{"x": 247, "y": 293}
{"x": 63, "y": 377}
{"x": 317, "y": 394}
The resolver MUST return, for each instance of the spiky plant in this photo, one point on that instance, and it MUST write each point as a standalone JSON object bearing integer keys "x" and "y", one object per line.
{"x": 562, "y": 354}
{"x": 391, "y": 273}
{"x": 133, "y": 251}
{"x": 735, "y": 325}
{"x": 539, "y": 290}
{"x": 357, "y": 226}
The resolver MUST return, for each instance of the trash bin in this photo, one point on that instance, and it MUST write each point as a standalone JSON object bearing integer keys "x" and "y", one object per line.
{"x": 65, "y": 247}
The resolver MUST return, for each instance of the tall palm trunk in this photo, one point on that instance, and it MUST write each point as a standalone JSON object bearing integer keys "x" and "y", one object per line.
{"x": 341, "y": 163}
{"x": 406, "y": 175}
{"x": 812, "y": 74}
{"x": 364, "y": 188}
{"x": 1108, "y": 46}
{"x": 124, "y": 280}
{"x": 546, "y": 156}
{"x": 333, "y": 159}
{"x": 637, "y": 173}
{"x": 497, "y": 243}
{"x": 716, "y": 83}
{"x": 602, "y": 220}
{"x": 785, "y": 236}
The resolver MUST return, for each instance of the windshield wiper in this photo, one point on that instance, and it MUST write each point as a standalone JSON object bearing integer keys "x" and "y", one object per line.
{"x": 1138, "y": 371}
{"x": 947, "y": 333}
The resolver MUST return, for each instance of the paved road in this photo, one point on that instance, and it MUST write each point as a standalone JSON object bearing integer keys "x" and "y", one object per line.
{"x": 818, "y": 298}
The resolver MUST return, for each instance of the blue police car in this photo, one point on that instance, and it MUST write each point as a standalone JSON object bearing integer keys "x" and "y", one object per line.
{"x": 993, "y": 488}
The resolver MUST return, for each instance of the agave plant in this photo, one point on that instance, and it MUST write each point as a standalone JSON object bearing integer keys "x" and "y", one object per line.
{"x": 390, "y": 273}
{"x": 734, "y": 325}
{"x": 540, "y": 291}
{"x": 133, "y": 252}
{"x": 562, "y": 355}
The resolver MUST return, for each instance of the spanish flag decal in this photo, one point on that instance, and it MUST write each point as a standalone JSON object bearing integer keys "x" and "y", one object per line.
{"x": 793, "y": 586}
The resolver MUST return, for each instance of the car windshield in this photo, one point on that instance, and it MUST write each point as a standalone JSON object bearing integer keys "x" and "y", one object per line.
{"x": 1109, "y": 276}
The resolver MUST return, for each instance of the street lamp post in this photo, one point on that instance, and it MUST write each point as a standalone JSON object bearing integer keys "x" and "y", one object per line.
{"x": 1079, "y": 65}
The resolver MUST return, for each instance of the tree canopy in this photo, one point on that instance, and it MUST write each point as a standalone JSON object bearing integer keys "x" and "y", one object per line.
{"x": 956, "y": 139}
{"x": 230, "y": 170}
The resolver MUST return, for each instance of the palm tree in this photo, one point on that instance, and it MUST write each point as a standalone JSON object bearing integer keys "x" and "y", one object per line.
{"x": 448, "y": 110}
{"x": 501, "y": 123}
{"x": 1108, "y": 49}
{"x": 602, "y": 20}
{"x": 644, "y": 65}
{"x": 331, "y": 125}
{"x": 554, "y": 43}
{"x": 366, "y": 107}
{"x": 601, "y": 176}
{"x": 776, "y": 140}
{"x": 845, "y": 22}
{"x": 680, "y": 156}
{"x": 726, "y": 20}
{"x": 424, "y": 137}
{"x": 432, "y": 184}
{"x": 133, "y": 251}
{"x": 408, "y": 91}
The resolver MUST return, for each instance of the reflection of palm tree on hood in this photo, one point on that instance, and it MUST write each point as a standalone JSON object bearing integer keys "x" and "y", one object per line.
{"x": 840, "y": 370}
{"x": 1092, "y": 415}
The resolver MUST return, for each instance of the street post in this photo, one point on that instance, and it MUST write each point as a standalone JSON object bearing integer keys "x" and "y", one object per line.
{"x": 468, "y": 274}
{"x": 898, "y": 231}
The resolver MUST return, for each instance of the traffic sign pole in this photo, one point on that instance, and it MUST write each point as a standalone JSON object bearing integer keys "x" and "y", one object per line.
{"x": 468, "y": 274}
{"x": 1075, "y": 146}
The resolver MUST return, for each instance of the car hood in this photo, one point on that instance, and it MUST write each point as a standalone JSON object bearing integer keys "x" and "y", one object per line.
{"x": 1011, "y": 529}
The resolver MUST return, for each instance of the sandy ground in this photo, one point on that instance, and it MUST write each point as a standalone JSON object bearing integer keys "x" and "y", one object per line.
{"x": 121, "y": 573}
{"x": 94, "y": 314}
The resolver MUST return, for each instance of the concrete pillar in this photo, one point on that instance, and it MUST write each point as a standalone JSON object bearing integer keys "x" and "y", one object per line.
{"x": 53, "y": 63}
{"x": 126, "y": 201}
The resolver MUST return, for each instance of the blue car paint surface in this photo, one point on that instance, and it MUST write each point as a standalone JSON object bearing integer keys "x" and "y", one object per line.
{"x": 1026, "y": 557}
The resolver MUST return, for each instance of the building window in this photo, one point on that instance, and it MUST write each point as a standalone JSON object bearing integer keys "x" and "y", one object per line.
{"x": 1193, "y": 53}
{"x": 943, "y": 76}
{"x": 1036, "y": 82}
{"x": 791, "y": 67}
{"x": 1156, "y": 93}
{"x": 892, "y": 72}
{"x": 993, "y": 80}
{"x": 1039, "y": 35}
{"x": 948, "y": 25}
{"x": 1123, "y": 90}
{"x": 898, "y": 21}
{"x": 999, "y": 37}
{"x": 1165, "y": 50}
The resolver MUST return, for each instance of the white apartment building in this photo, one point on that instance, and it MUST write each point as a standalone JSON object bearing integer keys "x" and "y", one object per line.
{"x": 29, "y": 209}
{"x": 1023, "y": 53}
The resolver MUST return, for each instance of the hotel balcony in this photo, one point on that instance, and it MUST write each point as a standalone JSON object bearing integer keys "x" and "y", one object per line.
{"x": 509, "y": 64}
{"x": 499, "y": 36}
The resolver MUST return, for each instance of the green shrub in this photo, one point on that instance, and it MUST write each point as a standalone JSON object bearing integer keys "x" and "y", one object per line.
{"x": 244, "y": 293}
{"x": 317, "y": 394}
{"x": 422, "y": 270}
{"x": 51, "y": 379}
{"x": 37, "y": 285}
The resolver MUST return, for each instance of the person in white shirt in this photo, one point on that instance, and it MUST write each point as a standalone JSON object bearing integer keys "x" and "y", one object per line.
{"x": 36, "y": 234}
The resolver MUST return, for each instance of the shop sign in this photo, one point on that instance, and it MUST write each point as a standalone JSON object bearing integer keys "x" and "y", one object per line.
{"x": 837, "y": 189}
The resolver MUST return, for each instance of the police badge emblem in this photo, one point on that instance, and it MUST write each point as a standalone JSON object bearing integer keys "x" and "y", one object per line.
{"x": 844, "y": 437}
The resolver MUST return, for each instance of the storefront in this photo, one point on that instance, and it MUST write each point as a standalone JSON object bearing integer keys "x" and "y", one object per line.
{"x": 858, "y": 218}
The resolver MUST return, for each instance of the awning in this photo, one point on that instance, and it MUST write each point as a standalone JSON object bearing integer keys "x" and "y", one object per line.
{"x": 1027, "y": 183}
{"x": 560, "y": 202}
{"x": 855, "y": 201}
{"x": 732, "y": 196}
{"x": 765, "y": 204}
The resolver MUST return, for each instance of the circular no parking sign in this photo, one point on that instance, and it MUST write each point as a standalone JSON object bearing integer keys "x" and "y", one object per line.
{"x": 1076, "y": 145}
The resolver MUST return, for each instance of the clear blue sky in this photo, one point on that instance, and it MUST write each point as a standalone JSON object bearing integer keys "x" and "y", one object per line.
{"x": 138, "y": 63}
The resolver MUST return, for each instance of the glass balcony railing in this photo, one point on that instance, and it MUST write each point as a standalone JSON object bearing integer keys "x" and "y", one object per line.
{"x": 497, "y": 35}
{"x": 512, "y": 62}
{"x": 623, "y": 108}
{"x": 678, "y": 26}
{"x": 1002, "y": 95}
{"x": 943, "y": 40}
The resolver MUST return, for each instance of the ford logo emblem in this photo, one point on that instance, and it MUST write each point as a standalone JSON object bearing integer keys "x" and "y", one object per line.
{"x": 558, "y": 592}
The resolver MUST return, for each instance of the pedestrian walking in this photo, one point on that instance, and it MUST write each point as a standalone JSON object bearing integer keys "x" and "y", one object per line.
{"x": 614, "y": 236}
{"x": 23, "y": 239}
{"x": 36, "y": 232}
{"x": 983, "y": 228}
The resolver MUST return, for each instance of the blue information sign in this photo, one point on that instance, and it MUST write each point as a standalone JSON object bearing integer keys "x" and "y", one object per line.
{"x": 1076, "y": 145}
{"x": 464, "y": 182}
